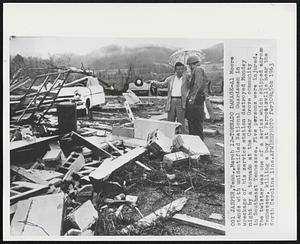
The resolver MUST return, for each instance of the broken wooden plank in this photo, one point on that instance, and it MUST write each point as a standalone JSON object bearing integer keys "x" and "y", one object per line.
{"x": 39, "y": 216}
{"x": 73, "y": 164}
{"x": 95, "y": 148}
{"x": 16, "y": 145}
{"x": 84, "y": 216}
{"x": 185, "y": 219}
{"x": 29, "y": 175}
{"x": 21, "y": 190}
{"x": 166, "y": 211}
{"x": 105, "y": 170}
{"x": 115, "y": 148}
{"x": 142, "y": 165}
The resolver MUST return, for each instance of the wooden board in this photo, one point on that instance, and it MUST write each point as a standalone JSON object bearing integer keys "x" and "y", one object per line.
{"x": 183, "y": 218}
{"x": 39, "y": 216}
{"x": 21, "y": 189}
{"x": 89, "y": 144}
{"x": 15, "y": 145}
{"x": 106, "y": 169}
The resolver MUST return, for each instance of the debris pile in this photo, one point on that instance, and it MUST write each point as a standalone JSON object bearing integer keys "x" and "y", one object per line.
{"x": 130, "y": 178}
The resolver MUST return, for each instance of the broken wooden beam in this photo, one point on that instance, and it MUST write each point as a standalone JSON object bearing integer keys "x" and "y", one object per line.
{"x": 39, "y": 216}
{"x": 185, "y": 219}
{"x": 106, "y": 169}
{"x": 143, "y": 165}
{"x": 164, "y": 212}
{"x": 95, "y": 148}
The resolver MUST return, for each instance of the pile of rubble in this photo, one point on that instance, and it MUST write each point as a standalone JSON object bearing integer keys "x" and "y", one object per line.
{"x": 89, "y": 181}
{"x": 80, "y": 183}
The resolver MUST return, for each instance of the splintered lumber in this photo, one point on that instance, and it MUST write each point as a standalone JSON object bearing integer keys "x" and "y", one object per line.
{"x": 106, "y": 169}
{"x": 89, "y": 144}
{"x": 39, "y": 216}
{"x": 29, "y": 175}
{"x": 185, "y": 219}
{"x": 115, "y": 148}
{"x": 84, "y": 216}
{"x": 21, "y": 190}
{"x": 164, "y": 212}
{"x": 142, "y": 127}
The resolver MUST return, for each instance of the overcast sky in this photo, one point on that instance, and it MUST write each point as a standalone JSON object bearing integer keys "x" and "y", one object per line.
{"x": 43, "y": 46}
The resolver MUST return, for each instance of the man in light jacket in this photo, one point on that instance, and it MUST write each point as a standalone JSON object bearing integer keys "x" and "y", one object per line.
{"x": 178, "y": 87}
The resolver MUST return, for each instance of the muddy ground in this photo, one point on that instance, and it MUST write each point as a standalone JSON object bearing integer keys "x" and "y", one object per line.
{"x": 206, "y": 176}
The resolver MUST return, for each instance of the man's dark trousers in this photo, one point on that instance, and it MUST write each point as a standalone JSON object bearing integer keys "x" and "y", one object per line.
{"x": 195, "y": 115}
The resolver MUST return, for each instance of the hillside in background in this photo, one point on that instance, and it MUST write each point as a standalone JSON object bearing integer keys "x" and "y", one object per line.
{"x": 117, "y": 57}
{"x": 214, "y": 54}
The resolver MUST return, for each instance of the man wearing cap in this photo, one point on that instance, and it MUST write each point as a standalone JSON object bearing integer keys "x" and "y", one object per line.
{"x": 178, "y": 86}
{"x": 195, "y": 100}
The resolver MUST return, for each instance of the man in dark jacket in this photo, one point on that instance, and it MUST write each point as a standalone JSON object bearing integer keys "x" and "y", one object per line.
{"x": 195, "y": 101}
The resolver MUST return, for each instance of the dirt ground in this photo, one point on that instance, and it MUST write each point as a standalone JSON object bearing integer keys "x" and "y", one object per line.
{"x": 206, "y": 176}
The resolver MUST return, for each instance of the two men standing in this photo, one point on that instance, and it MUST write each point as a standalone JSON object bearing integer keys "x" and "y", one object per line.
{"x": 186, "y": 96}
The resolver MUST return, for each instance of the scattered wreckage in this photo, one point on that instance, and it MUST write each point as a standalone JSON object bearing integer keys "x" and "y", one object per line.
{"x": 93, "y": 178}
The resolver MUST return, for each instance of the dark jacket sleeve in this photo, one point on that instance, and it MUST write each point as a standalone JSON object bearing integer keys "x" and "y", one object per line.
{"x": 199, "y": 84}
